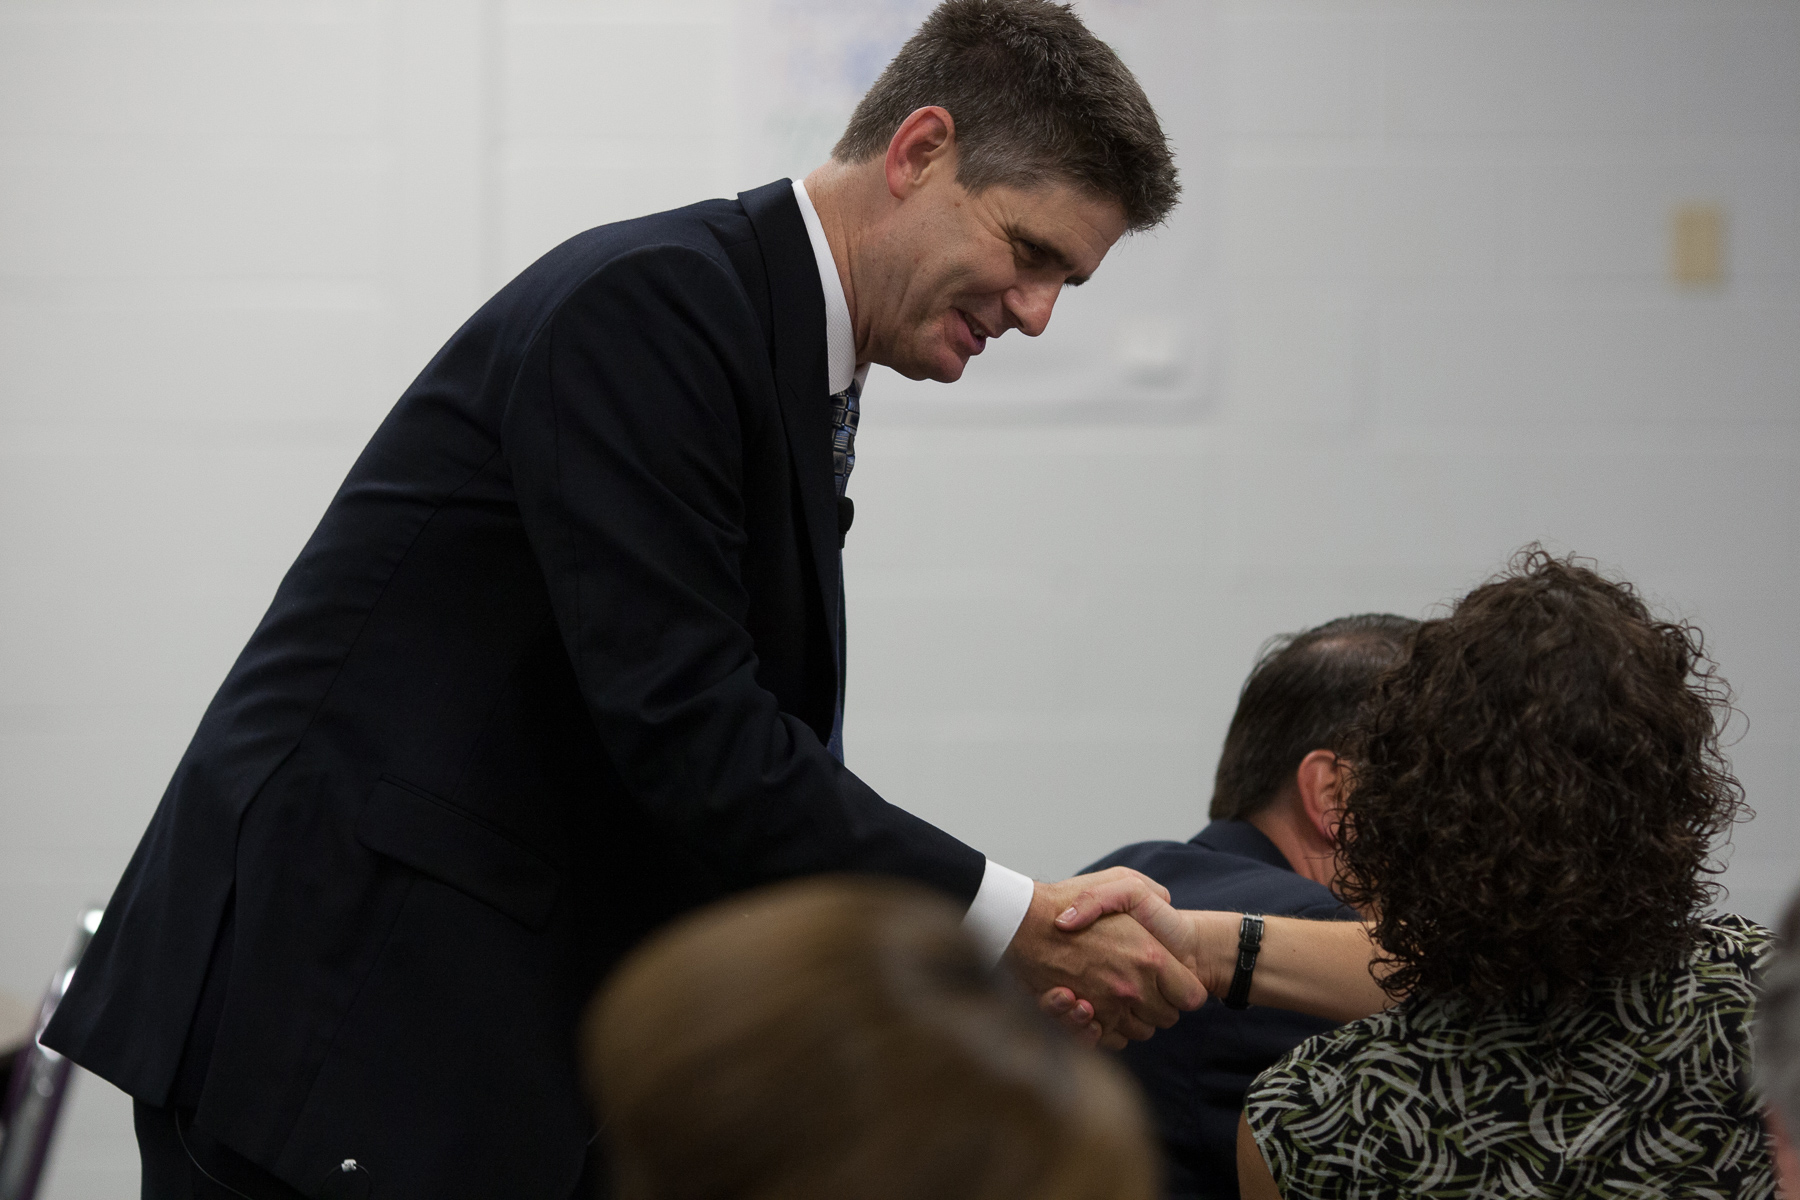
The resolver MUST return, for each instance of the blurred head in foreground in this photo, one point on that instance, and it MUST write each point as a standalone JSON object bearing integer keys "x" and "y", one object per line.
{"x": 840, "y": 1037}
{"x": 1778, "y": 1051}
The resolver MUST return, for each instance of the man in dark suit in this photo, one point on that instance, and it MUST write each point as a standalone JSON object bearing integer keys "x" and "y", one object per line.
{"x": 564, "y": 657}
{"x": 1268, "y": 850}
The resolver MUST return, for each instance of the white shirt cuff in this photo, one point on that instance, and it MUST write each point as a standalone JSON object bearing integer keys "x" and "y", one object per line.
{"x": 998, "y": 909}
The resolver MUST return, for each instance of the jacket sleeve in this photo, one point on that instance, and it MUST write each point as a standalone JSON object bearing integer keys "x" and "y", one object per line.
{"x": 626, "y": 454}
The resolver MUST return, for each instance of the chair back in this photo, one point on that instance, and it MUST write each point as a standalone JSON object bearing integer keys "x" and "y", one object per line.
{"x": 40, "y": 1083}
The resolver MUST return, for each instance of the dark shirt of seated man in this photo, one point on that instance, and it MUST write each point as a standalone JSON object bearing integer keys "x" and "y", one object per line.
{"x": 1268, "y": 850}
{"x": 1195, "y": 1074}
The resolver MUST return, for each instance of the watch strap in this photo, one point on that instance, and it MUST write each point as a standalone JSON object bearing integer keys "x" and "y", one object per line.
{"x": 1250, "y": 934}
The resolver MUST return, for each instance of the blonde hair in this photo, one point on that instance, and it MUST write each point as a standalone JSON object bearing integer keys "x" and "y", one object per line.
{"x": 840, "y": 1038}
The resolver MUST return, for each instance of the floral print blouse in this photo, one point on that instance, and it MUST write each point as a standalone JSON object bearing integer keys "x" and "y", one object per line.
{"x": 1641, "y": 1091}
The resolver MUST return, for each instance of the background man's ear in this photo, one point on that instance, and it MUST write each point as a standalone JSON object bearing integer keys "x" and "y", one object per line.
{"x": 1320, "y": 780}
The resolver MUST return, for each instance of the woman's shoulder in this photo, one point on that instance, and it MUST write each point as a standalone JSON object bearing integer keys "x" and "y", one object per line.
{"x": 1727, "y": 939}
{"x": 1381, "y": 1033}
{"x": 1337, "y": 1094}
{"x": 1411, "y": 1031}
{"x": 1721, "y": 971}
{"x": 1730, "y": 951}
{"x": 1330, "y": 1068}
{"x": 1726, "y": 963}
{"x": 1608, "y": 1063}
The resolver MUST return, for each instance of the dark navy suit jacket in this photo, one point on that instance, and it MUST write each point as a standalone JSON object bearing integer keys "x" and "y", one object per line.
{"x": 558, "y": 664}
{"x": 1195, "y": 1074}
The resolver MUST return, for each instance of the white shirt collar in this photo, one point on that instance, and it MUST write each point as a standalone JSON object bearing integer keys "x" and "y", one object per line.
{"x": 840, "y": 341}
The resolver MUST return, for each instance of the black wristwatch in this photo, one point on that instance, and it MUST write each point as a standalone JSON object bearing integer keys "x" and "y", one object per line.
{"x": 1249, "y": 942}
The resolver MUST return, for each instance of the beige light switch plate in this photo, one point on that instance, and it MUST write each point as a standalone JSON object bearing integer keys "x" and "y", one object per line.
{"x": 1697, "y": 245}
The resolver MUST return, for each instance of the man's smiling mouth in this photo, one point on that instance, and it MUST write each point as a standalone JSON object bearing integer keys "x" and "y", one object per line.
{"x": 977, "y": 335}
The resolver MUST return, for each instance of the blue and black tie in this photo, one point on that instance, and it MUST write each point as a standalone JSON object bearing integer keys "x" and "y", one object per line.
{"x": 845, "y": 409}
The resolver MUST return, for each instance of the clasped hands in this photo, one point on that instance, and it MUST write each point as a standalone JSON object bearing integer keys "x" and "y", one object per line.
{"x": 1109, "y": 957}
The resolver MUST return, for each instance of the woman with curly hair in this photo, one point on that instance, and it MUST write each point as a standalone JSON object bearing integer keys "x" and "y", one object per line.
{"x": 1531, "y": 798}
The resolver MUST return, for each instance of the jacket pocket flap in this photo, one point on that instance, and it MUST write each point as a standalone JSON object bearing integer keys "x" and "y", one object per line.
{"x": 435, "y": 839}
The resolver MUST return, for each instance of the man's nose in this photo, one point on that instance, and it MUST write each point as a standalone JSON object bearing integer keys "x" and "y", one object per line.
{"x": 1029, "y": 304}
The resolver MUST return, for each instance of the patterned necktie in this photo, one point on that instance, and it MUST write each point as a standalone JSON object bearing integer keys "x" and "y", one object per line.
{"x": 845, "y": 409}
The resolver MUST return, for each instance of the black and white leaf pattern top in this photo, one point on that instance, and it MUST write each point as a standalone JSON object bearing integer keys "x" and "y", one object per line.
{"x": 1641, "y": 1091}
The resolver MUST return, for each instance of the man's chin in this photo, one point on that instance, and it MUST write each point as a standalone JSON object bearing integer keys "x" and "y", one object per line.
{"x": 947, "y": 369}
{"x": 943, "y": 366}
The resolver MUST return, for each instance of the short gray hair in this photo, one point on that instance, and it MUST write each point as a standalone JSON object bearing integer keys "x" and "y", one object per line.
{"x": 1036, "y": 99}
{"x": 1777, "y": 1053}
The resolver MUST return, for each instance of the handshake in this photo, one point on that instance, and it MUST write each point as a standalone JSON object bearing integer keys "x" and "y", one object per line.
{"x": 1107, "y": 956}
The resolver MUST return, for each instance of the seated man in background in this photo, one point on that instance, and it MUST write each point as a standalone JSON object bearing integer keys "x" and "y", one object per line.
{"x": 842, "y": 1037}
{"x": 1777, "y": 1053}
{"x": 1268, "y": 849}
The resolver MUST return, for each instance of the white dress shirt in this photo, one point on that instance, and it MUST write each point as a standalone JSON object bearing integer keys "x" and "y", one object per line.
{"x": 1000, "y": 905}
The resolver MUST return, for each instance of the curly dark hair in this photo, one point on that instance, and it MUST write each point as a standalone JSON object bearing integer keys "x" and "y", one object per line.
{"x": 1535, "y": 791}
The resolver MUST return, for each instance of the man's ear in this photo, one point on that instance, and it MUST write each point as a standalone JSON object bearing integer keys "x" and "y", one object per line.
{"x": 1319, "y": 780}
{"x": 924, "y": 141}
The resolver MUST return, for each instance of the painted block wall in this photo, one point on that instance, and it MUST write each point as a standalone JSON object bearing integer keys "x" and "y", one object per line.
{"x": 230, "y": 234}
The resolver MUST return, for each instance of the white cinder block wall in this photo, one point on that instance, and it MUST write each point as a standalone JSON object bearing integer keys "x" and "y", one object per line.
{"x": 229, "y": 234}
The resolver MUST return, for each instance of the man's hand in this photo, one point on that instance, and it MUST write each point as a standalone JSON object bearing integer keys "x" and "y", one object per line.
{"x": 1108, "y": 897}
{"x": 1127, "y": 984}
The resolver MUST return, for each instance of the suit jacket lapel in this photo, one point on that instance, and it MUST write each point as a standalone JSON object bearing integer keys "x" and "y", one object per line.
{"x": 800, "y": 372}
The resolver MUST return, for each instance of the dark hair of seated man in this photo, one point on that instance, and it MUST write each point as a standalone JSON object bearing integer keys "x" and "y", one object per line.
{"x": 840, "y": 1037}
{"x": 1529, "y": 816}
{"x": 1269, "y": 849}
